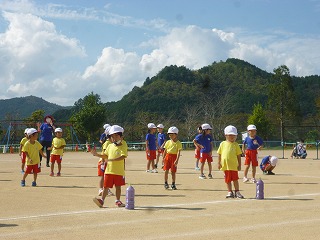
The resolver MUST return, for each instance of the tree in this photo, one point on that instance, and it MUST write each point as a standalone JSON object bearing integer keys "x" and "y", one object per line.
{"x": 259, "y": 118}
{"x": 89, "y": 115}
{"x": 282, "y": 98}
{"x": 36, "y": 117}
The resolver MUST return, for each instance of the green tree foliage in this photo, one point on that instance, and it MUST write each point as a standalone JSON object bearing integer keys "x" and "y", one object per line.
{"x": 89, "y": 116}
{"x": 282, "y": 98}
{"x": 36, "y": 117}
{"x": 260, "y": 119}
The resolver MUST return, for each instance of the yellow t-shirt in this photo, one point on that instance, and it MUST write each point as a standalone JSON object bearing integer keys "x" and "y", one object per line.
{"x": 229, "y": 152}
{"x": 56, "y": 143}
{"x": 105, "y": 145}
{"x": 113, "y": 151}
{"x": 23, "y": 142}
{"x": 32, "y": 150}
{"x": 173, "y": 147}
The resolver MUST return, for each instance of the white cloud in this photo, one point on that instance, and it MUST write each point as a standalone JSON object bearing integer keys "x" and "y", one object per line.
{"x": 32, "y": 52}
{"x": 35, "y": 59}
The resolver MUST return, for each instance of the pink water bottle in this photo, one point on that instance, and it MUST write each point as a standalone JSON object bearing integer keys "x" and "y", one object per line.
{"x": 260, "y": 189}
{"x": 130, "y": 198}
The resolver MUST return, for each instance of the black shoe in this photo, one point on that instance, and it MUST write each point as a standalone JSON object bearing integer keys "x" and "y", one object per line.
{"x": 166, "y": 186}
{"x": 271, "y": 173}
{"x": 156, "y": 166}
{"x": 173, "y": 187}
{"x": 48, "y": 165}
{"x": 265, "y": 172}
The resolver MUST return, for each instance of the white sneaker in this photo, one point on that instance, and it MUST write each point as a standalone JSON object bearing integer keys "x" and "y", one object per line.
{"x": 253, "y": 180}
{"x": 197, "y": 168}
{"x": 238, "y": 195}
{"x": 148, "y": 170}
{"x": 154, "y": 171}
{"x": 245, "y": 179}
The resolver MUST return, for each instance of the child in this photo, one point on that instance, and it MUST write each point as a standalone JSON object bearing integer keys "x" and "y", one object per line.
{"x": 22, "y": 153}
{"x": 267, "y": 164}
{"x": 204, "y": 142}
{"x": 115, "y": 155}
{"x": 32, "y": 149}
{"x": 229, "y": 161}
{"x": 103, "y": 136}
{"x": 151, "y": 147}
{"x": 161, "y": 141}
{"x": 171, "y": 157}
{"x": 101, "y": 162}
{"x": 253, "y": 143}
{"x": 58, "y": 144}
{"x": 197, "y": 151}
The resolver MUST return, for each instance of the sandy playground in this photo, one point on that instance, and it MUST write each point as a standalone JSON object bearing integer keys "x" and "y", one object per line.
{"x": 62, "y": 207}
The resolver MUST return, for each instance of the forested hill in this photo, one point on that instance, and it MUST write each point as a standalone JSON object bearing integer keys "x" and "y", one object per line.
{"x": 239, "y": 82}
{"x": 234, "y": 85}
{"x": 22, "y": 107}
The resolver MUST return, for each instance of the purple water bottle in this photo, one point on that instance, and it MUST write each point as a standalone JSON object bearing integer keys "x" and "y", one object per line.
{"x": 130, "y": 198}
{"x": 260, "y": 189}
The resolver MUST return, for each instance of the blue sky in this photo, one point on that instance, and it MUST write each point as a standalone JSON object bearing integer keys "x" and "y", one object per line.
{"x": 62, "y": 50}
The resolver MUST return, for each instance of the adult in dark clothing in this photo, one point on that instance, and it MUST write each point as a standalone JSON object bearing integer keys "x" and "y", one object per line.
{"x": 46, "y": 135}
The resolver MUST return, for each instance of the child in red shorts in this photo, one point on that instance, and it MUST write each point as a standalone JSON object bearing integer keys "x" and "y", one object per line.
{"x": 22, "y": 153}
{"x": 171, "y": 155}
{"x": 250, "y": 147}
{"x": 58, "y": 144}
{"x": 32, "y": 149}
{"x": 229, "y": 161}
{"x": 114, "y": 156}
{"x": 151, "y": 147}
{"x": 197, "y": 150}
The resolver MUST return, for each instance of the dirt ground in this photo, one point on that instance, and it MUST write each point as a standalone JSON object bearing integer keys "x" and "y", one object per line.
{"x": 62, "y": 207}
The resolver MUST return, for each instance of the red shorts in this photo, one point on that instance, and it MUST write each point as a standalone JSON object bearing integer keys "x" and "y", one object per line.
{"x": 33, "y": 168}
{"x": 197, "y": 153}
{"x": 169, "y": 162}
{"x": 55, "y": 158}
{"x": 205, "y": 157}
{"x": 101, "y": 167}
{"x": 152, "y": 155}
{"x": 230, "y": 176}
{"x": 23, "y": 157}
{"x": 251, "y": 157}
{"x": 111, "y": 180}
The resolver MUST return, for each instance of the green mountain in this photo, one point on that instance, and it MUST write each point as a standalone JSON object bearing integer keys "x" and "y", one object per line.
{"x": 235, "y": 85}
{"x": 238, "y": 82}
{"x": 22, "y": 107}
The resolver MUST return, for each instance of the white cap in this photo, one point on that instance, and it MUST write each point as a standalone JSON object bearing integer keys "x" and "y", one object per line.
{"x": 230, "y": 130}
{"x": 26, "y": 130}
{"x": 115, "y": 129}
{"x": 107, "y": 130}
{"x": 31, "y": 131}
{"x": 173, "y": 130}
{"x": 106, "y": 125}
{"x": 251, "y": 127}
{"x": 273, "y": 161}
{"x": 206, "y": 126}
{"x": 58, "y": 130}
{"x": 151, "y": 125}
{"x": 160, "y": 125}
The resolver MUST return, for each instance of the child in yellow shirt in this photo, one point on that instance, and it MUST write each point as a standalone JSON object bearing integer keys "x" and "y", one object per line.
{"x": 171, "y": 155}
{"x": 58, "y": 144}
{"x": 22, "y": 153}
{"x": 32, "y": 149}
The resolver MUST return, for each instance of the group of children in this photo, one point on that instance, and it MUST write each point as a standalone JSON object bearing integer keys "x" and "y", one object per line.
{"x": 30, "y": 151}
{"x": 111, "y": 164}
